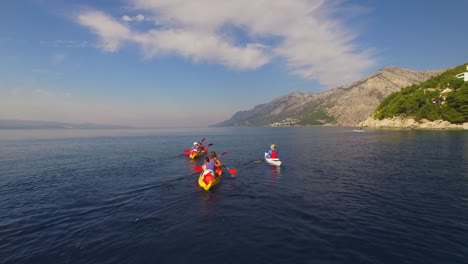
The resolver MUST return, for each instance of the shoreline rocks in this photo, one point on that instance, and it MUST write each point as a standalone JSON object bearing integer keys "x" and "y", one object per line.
{"x": 411, "y": 123}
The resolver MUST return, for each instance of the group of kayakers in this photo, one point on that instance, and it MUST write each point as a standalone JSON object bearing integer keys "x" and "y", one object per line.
{"x": 213, "y": 163}
{"x": 212, "y": 168}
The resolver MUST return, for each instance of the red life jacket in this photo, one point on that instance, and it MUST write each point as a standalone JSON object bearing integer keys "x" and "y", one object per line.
{"x": 273, "y": 154}
{"x": 208, "y": 178}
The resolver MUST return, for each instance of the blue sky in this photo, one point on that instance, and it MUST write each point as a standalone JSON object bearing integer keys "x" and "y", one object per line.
{"x": 195, "y": 63}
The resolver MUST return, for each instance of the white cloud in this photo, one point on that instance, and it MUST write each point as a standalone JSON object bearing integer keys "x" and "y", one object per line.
{"x": 311, "y": 42}
{"x": 137, "y": 18}
{"x": 111, "y": 32}
{"x": 127, "y": 18}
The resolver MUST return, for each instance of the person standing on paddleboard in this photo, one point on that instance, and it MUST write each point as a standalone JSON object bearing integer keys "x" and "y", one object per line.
{"x": 273, "y": 152}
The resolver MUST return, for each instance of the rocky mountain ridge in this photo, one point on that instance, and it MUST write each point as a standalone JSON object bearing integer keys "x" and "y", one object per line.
{"x": 346, "y": 105}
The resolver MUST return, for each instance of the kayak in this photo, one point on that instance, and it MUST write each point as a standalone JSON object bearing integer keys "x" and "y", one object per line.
{"x": 358, "y": 130}
{"x": 210, "y": 180}
{"x": 195, "y": 154}
{"x": 275, "y": 162}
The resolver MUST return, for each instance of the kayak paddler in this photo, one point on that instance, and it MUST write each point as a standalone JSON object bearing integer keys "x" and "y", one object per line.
{"x": 273, "y": 152}
{"x": 217, "y": 163}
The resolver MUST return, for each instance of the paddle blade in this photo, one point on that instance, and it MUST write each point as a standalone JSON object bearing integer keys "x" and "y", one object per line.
{"x": 232, "y": 171}
{"x": 202, "y": 140}
{"x": 197, "y": 168}
{"x": 187, "y": 152}
{"x": 222, "y": 154}
{"x": 209, "y": 145}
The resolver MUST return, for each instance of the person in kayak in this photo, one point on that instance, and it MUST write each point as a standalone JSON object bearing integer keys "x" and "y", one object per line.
{"x": 273, "y": 152}
{"x": 195, "y": 147}
{"x": 217, "y": 163}
{"x": 200, "y": 147}
{"x": 209, "y": 166}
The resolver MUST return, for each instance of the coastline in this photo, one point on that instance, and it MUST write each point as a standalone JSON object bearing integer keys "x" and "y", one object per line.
{"x": 411, "y": 123}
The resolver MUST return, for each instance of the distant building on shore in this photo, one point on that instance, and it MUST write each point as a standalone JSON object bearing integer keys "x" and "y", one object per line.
{"x": 463, "y": 75}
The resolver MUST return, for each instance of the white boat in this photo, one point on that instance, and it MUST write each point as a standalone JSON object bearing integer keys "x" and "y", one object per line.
{"x": 358, "y": 130}
{"x": 276, "y": 162}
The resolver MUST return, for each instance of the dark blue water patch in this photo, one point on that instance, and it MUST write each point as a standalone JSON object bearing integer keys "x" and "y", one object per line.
{"x": 341, "y": 197}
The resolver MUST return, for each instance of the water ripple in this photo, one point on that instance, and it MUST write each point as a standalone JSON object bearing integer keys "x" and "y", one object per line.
{"x": 377, "y": 197}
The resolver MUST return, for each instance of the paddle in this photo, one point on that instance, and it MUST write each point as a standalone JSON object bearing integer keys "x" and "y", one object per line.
{"x": 254, "y": 161}
{"x": 232, "y": 171}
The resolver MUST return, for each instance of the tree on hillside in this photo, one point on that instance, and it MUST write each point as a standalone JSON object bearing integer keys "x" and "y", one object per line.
{"x": 425, "y": 100}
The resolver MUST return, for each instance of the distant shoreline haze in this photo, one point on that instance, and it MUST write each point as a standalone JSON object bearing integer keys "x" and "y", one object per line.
{"x": 11, "y": 124}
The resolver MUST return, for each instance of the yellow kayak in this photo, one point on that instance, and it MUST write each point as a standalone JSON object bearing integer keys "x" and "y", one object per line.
{"x": 209, "y": 180}
{"x": 195, "y": 154}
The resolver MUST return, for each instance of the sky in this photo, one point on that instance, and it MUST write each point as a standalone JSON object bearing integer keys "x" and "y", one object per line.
{"x": 185, "y": 63}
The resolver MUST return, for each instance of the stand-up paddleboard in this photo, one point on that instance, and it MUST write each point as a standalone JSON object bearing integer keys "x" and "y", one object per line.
{"x": 276, "y": 162}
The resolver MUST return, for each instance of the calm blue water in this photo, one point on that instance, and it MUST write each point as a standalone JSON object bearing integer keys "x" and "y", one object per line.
{"x": 131, "y": 197}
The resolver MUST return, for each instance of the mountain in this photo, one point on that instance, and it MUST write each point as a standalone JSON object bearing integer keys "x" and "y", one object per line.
{"x": 28, "y": 124}
{"x": 441, "y": 98}
{"x": 346, "y": 105}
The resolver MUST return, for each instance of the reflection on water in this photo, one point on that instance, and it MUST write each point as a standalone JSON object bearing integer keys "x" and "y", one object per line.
{"x": 275, "y": 173}
{"x": 209, "y": 196}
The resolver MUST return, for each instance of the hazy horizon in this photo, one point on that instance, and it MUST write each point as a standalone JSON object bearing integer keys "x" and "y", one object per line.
{"x": 6, "y": 122}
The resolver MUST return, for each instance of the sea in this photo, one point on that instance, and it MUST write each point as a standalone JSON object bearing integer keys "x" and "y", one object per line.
{"x": 131, "y": 196}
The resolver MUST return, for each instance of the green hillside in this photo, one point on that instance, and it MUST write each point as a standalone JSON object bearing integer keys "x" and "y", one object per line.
{"x": 315, "y": 116}
{"x": 441, "y": 97}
